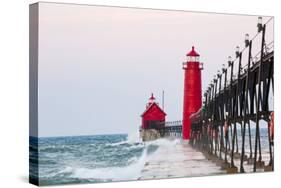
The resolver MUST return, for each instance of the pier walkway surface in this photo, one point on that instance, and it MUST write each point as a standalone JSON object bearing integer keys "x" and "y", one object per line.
{"x": 178, "y": 160}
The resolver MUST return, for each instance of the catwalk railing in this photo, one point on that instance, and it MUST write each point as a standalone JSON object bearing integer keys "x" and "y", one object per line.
{"x": 168, "y": 128}
{"x": 171, "y": 128}
{"x": 236, "y": 107}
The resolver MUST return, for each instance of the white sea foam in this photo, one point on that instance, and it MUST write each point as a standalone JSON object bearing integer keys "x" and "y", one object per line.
{"x": 117, "y": 143}
{"x": 135, "y": 141}
{"x": 130, "y": 172}
{"x": 132, "y": 138}
{"x": 163, "y": 142}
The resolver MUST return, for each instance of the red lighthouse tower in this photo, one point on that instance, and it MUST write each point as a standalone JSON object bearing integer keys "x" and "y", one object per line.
{"x": 192, "y": 101}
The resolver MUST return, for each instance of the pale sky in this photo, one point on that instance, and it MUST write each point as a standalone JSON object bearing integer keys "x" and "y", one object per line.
{"x": 99, "y": 65}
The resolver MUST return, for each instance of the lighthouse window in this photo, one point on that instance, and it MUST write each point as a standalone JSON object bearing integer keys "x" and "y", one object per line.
{"x": 192, "y": 58}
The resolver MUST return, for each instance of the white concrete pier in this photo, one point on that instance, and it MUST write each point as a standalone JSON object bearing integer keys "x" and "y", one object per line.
{"x": 179, "y": 160}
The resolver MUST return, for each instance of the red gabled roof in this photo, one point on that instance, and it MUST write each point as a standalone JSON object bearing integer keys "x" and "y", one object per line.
{"x": 150, "y": 107}
{"x": 192, "y": 52}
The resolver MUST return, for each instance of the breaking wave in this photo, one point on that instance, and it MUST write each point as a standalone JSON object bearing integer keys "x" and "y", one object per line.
{"x": 95, "y": 158}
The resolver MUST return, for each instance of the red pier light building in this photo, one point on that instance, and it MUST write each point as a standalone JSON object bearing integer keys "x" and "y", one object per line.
{"x": 153, "y": 115}
{"x": 192, "y": 100}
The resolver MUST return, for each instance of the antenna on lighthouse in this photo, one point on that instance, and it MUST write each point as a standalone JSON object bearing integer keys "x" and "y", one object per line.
{"x": 163, "y": 100}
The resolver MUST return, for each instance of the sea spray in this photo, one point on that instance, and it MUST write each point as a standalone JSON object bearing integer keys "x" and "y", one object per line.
{"x": 134, "y": 137}
{"x": 130, "y": 172}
